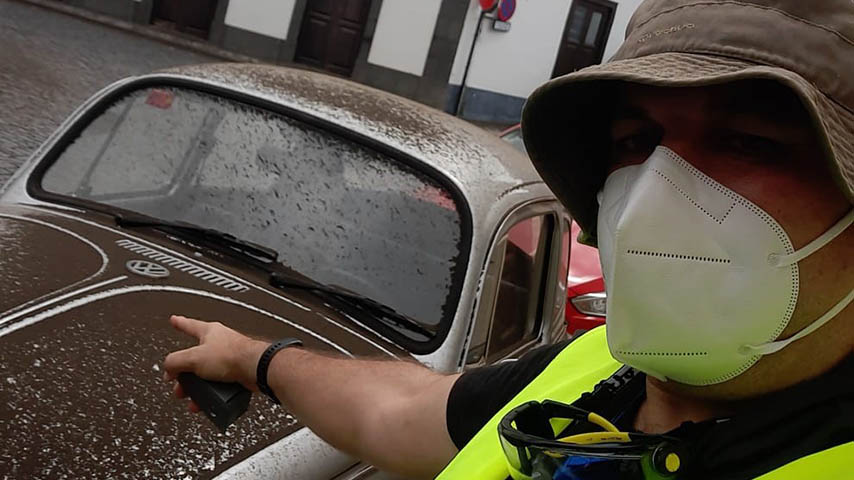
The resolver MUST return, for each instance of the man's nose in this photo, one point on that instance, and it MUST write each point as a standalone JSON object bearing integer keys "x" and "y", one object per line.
{"x": 689, "y": 149}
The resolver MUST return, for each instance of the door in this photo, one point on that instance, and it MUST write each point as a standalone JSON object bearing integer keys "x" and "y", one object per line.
{"x": 585, "y": 35}
{"x": 514, "y": 291}
{"x": 331, "y": 34}
{"x": 189, "y": 16}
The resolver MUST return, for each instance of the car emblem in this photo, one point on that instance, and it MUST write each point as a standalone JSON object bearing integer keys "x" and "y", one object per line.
{"x": 147, "y": 269}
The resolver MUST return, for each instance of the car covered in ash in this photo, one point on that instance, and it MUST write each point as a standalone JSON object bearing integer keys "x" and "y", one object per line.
{"x": 282, "y": 203}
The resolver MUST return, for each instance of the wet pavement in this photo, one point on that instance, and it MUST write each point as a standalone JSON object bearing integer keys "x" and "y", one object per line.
{"x": 51, "y": 62}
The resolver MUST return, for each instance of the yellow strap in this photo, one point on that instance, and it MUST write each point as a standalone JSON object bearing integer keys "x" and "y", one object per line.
{"x": 597, "y": 437}
{"x": 597, "y": 419}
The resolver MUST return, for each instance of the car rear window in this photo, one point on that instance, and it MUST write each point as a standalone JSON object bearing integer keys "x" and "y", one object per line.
{"x": 334, "y": 209}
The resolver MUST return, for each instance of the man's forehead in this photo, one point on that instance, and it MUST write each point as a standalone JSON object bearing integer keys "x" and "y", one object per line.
{"x": 765, "y": 99}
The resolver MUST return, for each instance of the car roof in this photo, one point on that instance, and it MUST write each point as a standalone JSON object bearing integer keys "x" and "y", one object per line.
{"x": 474, "y": 158}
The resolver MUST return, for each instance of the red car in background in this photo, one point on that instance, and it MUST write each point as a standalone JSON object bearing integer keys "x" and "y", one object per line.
{"x": 585, "y": 306}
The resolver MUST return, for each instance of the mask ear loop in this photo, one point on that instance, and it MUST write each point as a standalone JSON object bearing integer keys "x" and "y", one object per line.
{"x": 771, "y": 347}
{"x": 778, "y": 260}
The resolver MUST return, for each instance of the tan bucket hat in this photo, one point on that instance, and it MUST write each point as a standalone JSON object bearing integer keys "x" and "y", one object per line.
{"x": 806, "y": 45}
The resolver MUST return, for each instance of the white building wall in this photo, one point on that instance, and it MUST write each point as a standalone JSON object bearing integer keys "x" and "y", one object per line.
{"x": 403, "y": 34}
{"x": 516, "y": 62}
{"x": 266, "y": 17}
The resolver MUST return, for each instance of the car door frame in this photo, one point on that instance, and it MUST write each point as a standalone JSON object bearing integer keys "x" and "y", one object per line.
{"x": 551, "y": 324}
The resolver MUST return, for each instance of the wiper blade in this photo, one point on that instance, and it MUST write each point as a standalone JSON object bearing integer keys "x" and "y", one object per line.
{"x": 228, "y": 240}
{"x": 380, "y": 311}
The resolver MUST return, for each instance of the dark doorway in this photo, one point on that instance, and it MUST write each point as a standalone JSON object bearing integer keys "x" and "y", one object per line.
{"x": 188, "y": 16}
{"x": 585, "y": 35}
{"x": 331, "y": 34}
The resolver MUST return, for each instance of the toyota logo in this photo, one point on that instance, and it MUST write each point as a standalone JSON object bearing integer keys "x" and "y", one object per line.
{"x": 147, "y": 269}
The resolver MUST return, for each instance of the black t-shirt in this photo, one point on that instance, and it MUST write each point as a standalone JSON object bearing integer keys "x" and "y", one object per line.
{"x": 479, "y": 394}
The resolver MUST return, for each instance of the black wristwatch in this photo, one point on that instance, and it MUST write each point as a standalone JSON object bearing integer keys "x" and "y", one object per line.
{"x": 264, "y": 364}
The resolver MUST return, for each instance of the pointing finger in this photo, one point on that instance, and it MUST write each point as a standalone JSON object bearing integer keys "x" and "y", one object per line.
{"x": 195, "y": 328}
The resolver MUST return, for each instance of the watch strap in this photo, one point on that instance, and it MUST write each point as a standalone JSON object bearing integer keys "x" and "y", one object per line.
{"x": 264, "y": 365}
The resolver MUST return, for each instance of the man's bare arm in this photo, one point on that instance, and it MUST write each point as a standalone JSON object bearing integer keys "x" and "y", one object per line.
{"x": 388, "y": 413}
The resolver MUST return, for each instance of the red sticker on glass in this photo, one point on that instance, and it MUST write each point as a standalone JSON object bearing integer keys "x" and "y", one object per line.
{"x": 436, "y": 196}
{"x": 160, "y": 99}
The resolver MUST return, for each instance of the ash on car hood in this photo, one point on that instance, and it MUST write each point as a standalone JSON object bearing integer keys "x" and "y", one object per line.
{"x": 83, "y": 337}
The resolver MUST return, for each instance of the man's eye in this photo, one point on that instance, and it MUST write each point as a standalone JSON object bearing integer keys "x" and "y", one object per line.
{"x": 756, "y": 146}
{"x": 635, "y": 147}
{"x": 637, "y": 142}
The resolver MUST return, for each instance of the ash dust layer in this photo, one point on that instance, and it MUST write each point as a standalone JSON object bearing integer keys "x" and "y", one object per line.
{"x": 50, "y": 63}
{"x": 82, "y": 396}
{"x": 29, "y": 273}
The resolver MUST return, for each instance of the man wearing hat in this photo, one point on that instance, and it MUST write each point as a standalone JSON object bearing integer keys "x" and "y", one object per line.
{"x": 712, "y": 162}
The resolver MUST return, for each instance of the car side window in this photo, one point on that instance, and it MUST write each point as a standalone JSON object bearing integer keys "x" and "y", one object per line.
{"x": 513, "y": 291}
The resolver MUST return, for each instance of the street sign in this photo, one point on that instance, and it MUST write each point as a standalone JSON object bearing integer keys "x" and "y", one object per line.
{"x": 506, "y": 10}
{"x": 488, "y": 5}
{"x": 500, "y": 26}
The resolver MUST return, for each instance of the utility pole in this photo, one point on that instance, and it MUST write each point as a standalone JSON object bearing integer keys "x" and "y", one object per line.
{"x": 461, "y": 98}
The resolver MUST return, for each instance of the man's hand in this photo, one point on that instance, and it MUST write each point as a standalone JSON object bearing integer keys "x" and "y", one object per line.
{"x": 389, "y": 413}
{"x": 223, "y": 355}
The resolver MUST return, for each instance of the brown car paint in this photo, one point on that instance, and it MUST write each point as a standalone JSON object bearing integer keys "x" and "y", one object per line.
{"x": 81, "y": 385}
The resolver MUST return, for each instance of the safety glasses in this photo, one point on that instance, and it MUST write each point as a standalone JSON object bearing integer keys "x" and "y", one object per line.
{"x": 534, "y": 450}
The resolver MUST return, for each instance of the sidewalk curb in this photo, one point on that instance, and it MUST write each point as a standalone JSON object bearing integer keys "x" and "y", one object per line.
{"x": 197, "y": 46}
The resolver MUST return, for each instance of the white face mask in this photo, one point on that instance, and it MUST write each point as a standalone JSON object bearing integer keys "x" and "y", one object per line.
{"x": 700, "y": 281}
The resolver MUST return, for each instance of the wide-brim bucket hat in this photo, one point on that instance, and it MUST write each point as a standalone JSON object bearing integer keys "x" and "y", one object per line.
{"x": 807, "y": 46}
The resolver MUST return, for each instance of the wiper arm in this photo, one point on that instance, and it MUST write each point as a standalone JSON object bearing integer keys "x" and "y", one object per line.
{"x": 209, "y": 234}
{"x": 382, "y": 312}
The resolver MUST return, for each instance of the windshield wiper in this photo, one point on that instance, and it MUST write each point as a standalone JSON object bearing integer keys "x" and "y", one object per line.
{"x": 381, "y": 312}
{"x": 258, "y": 252}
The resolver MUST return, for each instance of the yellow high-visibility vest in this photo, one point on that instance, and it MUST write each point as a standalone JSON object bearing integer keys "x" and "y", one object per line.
{"x": 576, "y": 370}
